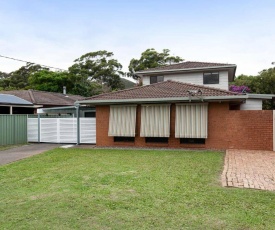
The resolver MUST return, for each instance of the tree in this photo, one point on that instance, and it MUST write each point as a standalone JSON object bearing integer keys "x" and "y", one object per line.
{"x": 264, "y": 83}
{"x": 97, "y": 68}
{"x": 4, "y": 80}
{"x": 150, "y": 58}
{"x": 252, "y": 82}
{"x": 46, "y": 80}
{"x": 19, "y": 78}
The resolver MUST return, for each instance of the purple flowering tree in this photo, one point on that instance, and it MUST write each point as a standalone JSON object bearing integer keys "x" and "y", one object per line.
{"x": 239, "y": 88}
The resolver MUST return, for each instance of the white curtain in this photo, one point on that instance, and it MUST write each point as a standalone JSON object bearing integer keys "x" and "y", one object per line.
{"x": 191, "y": 120}
{"x": 122, "y": 120}
{"x": 155, "y": 120}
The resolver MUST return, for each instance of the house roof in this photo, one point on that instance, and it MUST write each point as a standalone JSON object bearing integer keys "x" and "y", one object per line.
{"x": 188, "y": 65}
{"x": 163, "y": 91}
{"x": 13, "y": 100}
{"x": 44, "y": 98}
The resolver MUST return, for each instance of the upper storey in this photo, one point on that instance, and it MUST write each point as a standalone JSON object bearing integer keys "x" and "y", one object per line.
{"x": 216, "y": 75}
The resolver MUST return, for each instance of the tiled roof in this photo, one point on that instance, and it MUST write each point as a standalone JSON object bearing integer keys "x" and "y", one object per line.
{"x": 166, "y": 89}
{"x": 188, "y": 65}
{"x": 44, "y": 98}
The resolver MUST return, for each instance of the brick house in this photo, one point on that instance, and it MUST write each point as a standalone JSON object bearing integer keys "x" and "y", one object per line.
{"x": 170, "y": 112}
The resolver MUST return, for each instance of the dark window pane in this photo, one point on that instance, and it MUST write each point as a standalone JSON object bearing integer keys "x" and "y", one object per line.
{"x": 192, "y": 141}
{"x": 160, "y": 78}
{"x": 156, "y": 139}
{"x": 153, "y": 80}
{"x": 124, "y": 139}
{"x": 211, "y": 78}
{"x": 90, "y": 114}
{"x": 156, "y": 79}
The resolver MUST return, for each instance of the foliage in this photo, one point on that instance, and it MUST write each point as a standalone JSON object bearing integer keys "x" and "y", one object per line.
{"x": 19, "y": 78}
{"x": 264, "y": 83}
{"x": 239, "y": 89}
{"x": 252, "y": 82}
{"x": 46, "y": 80}
{"x": 150, "y": 58}
{"x": 4, "y": 80}
{"x": 97, "y": 67}
{"x": 87, "y": 88}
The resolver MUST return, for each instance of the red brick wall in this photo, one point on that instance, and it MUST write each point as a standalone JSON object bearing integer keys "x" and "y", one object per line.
{"x": 226, "y": 129}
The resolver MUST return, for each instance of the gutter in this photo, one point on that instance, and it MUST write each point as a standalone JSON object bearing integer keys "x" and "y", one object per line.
{"x": 261, "y": 96}
{"x": 21, "y": 105}
{"x": 178, "y": 99}
{"x": 170, "y": 99}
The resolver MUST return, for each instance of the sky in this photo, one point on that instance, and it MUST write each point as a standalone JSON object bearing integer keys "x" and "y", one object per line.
{"x": 55, "y": 33}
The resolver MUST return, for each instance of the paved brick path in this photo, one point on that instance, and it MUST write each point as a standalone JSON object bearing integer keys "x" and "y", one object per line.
{"x": 249, "y": 169}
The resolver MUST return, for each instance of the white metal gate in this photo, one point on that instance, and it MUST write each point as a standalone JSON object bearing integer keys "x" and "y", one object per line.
{"x": 61, "y": 130}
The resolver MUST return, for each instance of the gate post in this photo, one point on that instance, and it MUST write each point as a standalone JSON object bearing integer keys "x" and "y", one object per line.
{"x": 78, "y": 124}
{"x": 273, "y": 130}
{"x": 38, "y": 117}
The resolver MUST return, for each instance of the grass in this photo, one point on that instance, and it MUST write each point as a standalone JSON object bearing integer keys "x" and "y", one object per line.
{"x": 127, "y": 189}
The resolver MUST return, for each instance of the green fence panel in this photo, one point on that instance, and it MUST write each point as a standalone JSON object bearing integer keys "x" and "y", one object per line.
{"x": 13, "y": 129}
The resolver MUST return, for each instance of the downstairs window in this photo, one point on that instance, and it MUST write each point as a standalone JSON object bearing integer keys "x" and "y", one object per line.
{"x": 192, "y": 141}
{"x": 124, "y": 139}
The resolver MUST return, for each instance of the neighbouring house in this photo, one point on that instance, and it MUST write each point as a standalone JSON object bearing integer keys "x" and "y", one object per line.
{"x": 10, "y": 104}
{"x": 169, "y": 111}
{"x": 36, "y": 99}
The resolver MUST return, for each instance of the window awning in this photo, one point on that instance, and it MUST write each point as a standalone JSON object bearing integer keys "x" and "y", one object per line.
{"x": 155, "y": 120}
{"x": 191, "y": 120}
{"x": 122, "y": 120}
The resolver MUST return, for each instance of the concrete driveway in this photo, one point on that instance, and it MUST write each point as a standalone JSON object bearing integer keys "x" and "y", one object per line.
{"x": 15, "y": 154}
{"x": 249, "y": 169}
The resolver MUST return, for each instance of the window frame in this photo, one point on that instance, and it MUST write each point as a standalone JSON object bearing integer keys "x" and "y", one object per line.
{"x": 158, "y": 79}
{"x": 208, "y": 78}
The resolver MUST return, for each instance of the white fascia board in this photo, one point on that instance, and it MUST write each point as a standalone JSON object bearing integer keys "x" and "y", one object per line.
{"x": 260, "y": 96}
{"x": 189, "y": 69}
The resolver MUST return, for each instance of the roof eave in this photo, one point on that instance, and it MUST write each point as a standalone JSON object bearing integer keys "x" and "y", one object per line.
{"x": 261, "y": 96}
{"x": 171, "y": 99}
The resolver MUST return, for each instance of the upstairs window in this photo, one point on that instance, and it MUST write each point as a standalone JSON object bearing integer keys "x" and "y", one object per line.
{"x": 156, "y": 79}
{"x": 211, "y": 78}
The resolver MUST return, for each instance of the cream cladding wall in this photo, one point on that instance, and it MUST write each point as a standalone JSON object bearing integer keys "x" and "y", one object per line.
{"x": 193, "y": 78}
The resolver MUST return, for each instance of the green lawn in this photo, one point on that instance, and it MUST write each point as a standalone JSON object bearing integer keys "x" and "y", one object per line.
{"x": 127, "y": 189}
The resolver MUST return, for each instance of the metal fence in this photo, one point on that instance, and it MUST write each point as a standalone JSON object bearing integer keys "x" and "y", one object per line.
{"x": 13, "y": 129}
{"x": 56, "y": 129}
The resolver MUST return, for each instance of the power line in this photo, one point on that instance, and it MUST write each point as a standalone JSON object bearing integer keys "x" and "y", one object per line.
{"x": 15, "y": 59}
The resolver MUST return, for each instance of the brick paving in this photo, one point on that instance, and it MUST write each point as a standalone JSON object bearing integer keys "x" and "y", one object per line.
{"x": 249, "y": 169}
